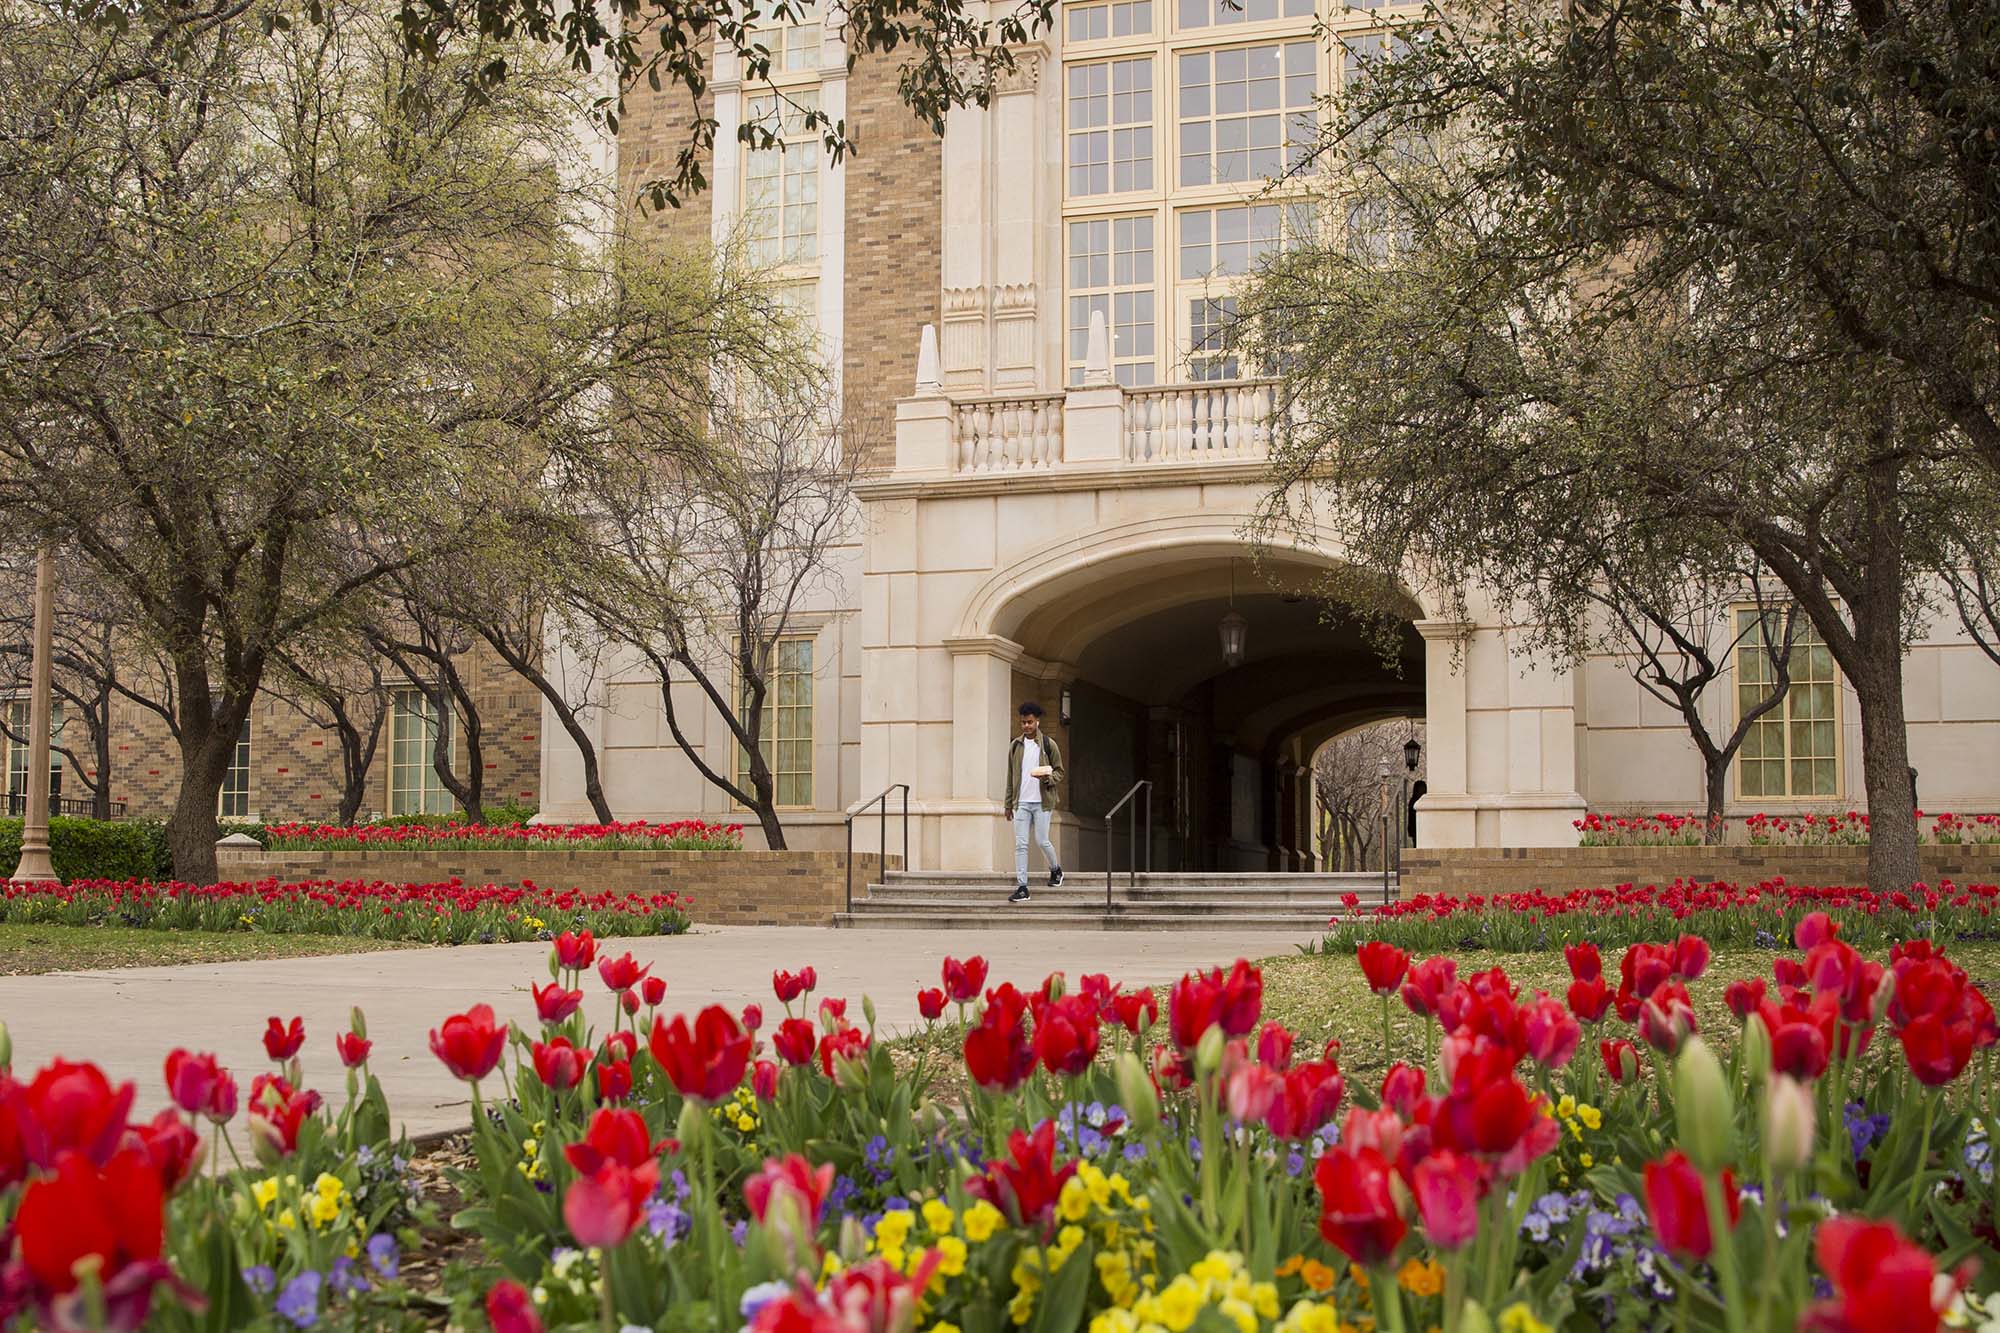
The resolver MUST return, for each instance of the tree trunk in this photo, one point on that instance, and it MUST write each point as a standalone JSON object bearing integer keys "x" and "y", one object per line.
{"x": 192, "y": 828}
{"x": 524, "y": 667}
{"x": 1885, "y": 770}
{"x": 100, "y": 796}
{"x": 1716, "y": 776}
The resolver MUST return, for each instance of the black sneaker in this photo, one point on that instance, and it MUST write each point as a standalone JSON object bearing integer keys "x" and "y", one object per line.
{"x": 1020, "y": 894}
{"x": 1055, "y": 877}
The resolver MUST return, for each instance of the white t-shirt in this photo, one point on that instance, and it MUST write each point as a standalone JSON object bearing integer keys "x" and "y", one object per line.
{"x": 1031, "y": 786}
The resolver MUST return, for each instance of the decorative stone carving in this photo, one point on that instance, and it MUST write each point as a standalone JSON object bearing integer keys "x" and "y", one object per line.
{"x": 1013, "y": 298}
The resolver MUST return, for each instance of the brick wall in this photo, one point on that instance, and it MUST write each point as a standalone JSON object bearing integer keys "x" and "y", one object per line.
{"x": 295, "y": 764}
{"x": 1459, "y": 871}
{"x": 652, "y": 130}
{"x": 728, "y": 888}
{"x": 894, "y": 235}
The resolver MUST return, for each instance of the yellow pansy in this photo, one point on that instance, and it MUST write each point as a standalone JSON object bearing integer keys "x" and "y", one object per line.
{"x": 1215, "y": 1267}
{"x": 1309, "y": 1316}
{"x": 1096, "y": 1183}
{"x": 893, "y": 1229}
{"x": 1264, "y": 1299}
{"x": 1022, "y": 1308}
{"x": 264, "y": 1192}
{"x": 1074, "y": 1201}
{"x": 1115, "y": 1321}
{"x": 1239, "y": 1313}
{"x": 981, "y": 1221}
{"x": 943, "y": 1327}
{"x": 1591, "y": 1117}
{"x": 1587, "y": 1161}
{"x": 323, "y": 1209}
{"x": 938, "y": 1216}
{"x": 1566, "y": 1107}
{"x": 1518, "y": 1318}
{"x": 745, "y": 1123}
{"x": 1179, "y": 1304}
{"x": 329, "y": 1186}
{"x": 951, "y": 1252}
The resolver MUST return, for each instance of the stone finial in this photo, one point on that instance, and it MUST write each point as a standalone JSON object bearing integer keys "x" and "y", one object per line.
{"x": 1097, "y": 352}
{"x": 929, "y": 383}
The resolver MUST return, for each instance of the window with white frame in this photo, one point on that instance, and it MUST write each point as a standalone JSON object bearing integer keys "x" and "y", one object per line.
{"x": 1221, "y": 13}
{"x": 1109, "y": 106}
{"x": 16, "y": 741}
{"x": 1245, "y": 112}
{"x": 785, "y": 728}
{"x": 1112, "y": 272}
{"x": 1121, "y": 18}
{"x": 1793, "y": 751}
{"x": 234, "y": 803}
{"x": 781, "y": 183}
{"x": 414, "y": 785}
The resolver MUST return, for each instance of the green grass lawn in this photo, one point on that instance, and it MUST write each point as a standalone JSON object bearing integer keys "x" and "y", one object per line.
{"x": 27, "y": 949}
{"x": 1321, "y": 996}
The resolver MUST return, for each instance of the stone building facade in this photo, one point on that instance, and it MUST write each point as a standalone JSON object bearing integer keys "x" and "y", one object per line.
{"x": 1040, "y": 300}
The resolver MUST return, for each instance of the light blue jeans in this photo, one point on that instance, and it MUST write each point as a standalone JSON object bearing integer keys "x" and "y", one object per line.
{"x": 1029, "y": 816}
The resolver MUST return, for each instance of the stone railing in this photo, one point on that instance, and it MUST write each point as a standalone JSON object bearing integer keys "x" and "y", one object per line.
{"x": 1191, "y": 423}
{"x": 1007, "y": 434}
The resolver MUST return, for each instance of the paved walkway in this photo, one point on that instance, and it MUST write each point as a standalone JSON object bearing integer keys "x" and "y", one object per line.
{"x": 128, "y": 1019}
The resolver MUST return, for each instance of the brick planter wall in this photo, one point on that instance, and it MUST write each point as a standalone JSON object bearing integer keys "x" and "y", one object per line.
{"x": 1459, "y": 871}
{"x": 728, "y": 888}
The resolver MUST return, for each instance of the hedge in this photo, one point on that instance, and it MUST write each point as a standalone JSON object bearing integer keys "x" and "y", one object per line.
{"x": 97, "y": 849}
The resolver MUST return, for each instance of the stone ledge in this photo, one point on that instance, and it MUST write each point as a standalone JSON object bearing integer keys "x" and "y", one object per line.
{"x": 1459, "y": 871}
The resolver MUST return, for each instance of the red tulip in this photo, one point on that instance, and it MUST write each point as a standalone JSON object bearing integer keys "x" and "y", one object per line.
{"x": 706, "y": 1062}
{"x": 930, "y": 1004}
{"x": 70, "y": 1108}
{"x": 172, "y": 1147}
{"x": 1744, "y": 996}
{"x": 1790, "y": 972}
{"x": 832, "y": 1011}
{"x": 998, "y": 1055}
{"x": 1690, "y": 957}
{"x": 282, "y": 1041}
{"x": 1644, "y": 969}
{"x": 575, "y": 951}
{"x": 277, "y": 1112}
{"x": 470, "y": 1044}
{"x": 1308, "y": 1098}
{"x": 1880, "y": 1281}
{"x": 841, "y": 1045}
{"x": 621, "y": 1046}
{"x": 1136, "y": 1010}
{"x": 1242, "y": 999}
{"x": 1427, "y": 985}
{"x": 1026, "y": 1183}
{"x": 553, "y": 1004}
{"x": 614, "y": 1081}
{"x": 1585, "y": 963}
{"x": 1357, "y": 1209}
{"x": 629, "y": 1002}
{"x": 1384, "y": 965}
{"x": 1194, "y": 1005}
{"x": 615, "y": 1135}
{"x": 604, "y": 1208}
{"x": 1679, "y": 1213}
{"x": 1799, "y": 1045}
{"x": 1588, "y": 999}
{"x": 1500, "y": 1120}
{"x": 964, "y": 980}
{"x": 1447, "y": 1187}
{"x": 1621, "y": 1060}
{"x": 622, "y": 973}
{"x": 192, "y": 1080}
{"x": 559, "y": 1065}
{"x": 1552, "y": 1033}
{"x": 794, "y": 1041}
{"x": 788, "y": 986}
{"x": 510, "y": 1309}
{"x": 1936, "y": 1048}
{"x": 1813, "y": 930}
{"x": 353, "y": 1049}
{"x": 1666, "y": 1019}
{"x": 794, "y": 1177}
{"x": 764, "y": 1080}
{"x": 105, "y": 1218}
{"x": 653, "y": 990}
{"x": 1274, "y": 1045}
{"x": 1403, "y": 1088}
{"x": 753, "y": 1017}
{"x": 1249, "y": 1088}
{"x": 1066, "y": 1035}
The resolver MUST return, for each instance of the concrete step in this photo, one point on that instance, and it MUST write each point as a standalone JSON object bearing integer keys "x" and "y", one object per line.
{"x": 1337, "y": 882}
{"x": 1307, "y": 925}
{"x": 1189, "y": 899}
{"x": 1043, "y": 903}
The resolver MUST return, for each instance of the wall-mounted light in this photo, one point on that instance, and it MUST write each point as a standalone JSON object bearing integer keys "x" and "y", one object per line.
{"x": 1234, "y": 629}
{"x": 1062, "y": 705}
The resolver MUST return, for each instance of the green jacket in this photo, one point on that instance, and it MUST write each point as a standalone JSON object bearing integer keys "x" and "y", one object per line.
{"x": 1051, "y": 785}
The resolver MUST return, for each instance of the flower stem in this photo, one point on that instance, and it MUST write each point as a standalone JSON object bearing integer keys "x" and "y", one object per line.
{"x": 1923, "y": 1153}
{"x": 1723, "y": 1252}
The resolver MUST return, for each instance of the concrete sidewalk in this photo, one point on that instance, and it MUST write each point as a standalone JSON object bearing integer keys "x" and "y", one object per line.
{"x": 127, "y": 1020}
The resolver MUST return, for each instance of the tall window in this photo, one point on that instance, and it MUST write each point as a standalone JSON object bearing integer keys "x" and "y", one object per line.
{"x": 17, "y": 752}
{"x": 1793, "y": 750}
{"x": 1246, "y": 113}
{"x": 235, "y": 802}
{"x": 414, "y": 786}
{"x": 1110, "y": 110}
{"x": 786, "y": 733}
{"x": 1220, "y": 13}
{"x": 781, "y": 184}
{"x": 1111, "y": 271}
{"x": 1121, "y": 18}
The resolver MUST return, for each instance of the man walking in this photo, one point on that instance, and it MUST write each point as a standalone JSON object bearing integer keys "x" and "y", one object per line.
{"x": 1034, "y": 774}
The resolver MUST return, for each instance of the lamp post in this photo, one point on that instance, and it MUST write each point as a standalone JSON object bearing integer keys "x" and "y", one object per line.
{"x": 35, "y": 866}
{"x": 1412, "y": 752}
{"x": 1384, "y": 775}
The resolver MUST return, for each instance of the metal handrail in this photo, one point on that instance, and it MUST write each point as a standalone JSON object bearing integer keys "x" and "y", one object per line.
{"x": 881, "y": 799}
{"x": 81, "y": 806}
{"x": 1132, "y": 830}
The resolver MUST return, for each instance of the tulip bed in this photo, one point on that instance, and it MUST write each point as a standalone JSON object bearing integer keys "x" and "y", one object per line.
{"x": 450, "y": 912}
{"x": 1766, "y": 830}
{"x": 1118, "y": 1164}
{"x": 1760, "y": 915}
{"x": 685, "y": 835}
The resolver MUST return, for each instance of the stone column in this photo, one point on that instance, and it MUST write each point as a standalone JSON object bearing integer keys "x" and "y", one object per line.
{"x": 35, "y": 866}
{"x": 972, "y": 834}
